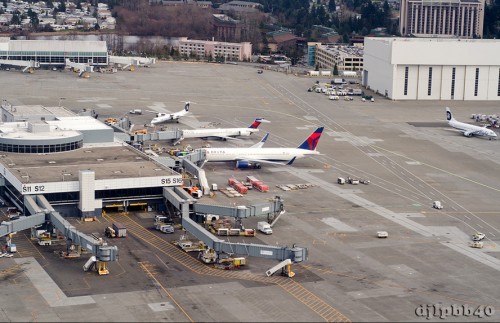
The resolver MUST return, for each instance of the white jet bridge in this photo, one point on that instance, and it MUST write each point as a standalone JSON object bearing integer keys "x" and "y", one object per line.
{"x": 28, "y": 65}
{"x": 127, "y": 61}
{"x": 82, "y": 69}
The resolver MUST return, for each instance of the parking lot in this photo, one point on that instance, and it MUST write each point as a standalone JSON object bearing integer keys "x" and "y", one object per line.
{"x": 404, "y": 149}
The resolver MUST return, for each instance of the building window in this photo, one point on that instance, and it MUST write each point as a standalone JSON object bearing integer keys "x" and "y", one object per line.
{"x": 476, "y": 83}
{"x": 498, "y": 91}
{"x": 453, "y": 70}
{"x": 429, "y": 84}
{"x": 405, "y": 92}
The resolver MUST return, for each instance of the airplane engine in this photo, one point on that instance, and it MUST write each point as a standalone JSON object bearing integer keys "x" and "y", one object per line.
{"x": 243, "y": 164}
{"x": 468, "y": 134}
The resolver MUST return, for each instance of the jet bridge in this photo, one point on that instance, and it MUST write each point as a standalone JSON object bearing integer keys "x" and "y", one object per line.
{"x": 28, "y": 65}
{"x": 127, "y": 61}
{"x": 81, "y": 68}
{"x": 177, "y": 197}
{"x": 42, "y": 212}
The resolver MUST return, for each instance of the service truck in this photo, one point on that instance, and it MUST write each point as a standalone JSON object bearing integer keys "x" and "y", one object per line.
{"x": 338, "y": 81}
{"x": 264, "y": 227}
{"x": 165, "y": 228}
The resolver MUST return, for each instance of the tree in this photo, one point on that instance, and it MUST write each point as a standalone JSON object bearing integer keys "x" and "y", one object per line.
{"x": 33, "y": 16}
{"x": 62, "y": 6}
{"x": 16, "y": 18}
{"x": 332, "y": 6}
{"x": 335, "y": 70}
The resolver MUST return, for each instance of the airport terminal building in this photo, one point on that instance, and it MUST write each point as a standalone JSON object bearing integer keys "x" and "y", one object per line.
{"x": 54, "y": 52}
{"x": 75, "y": 162}
{"x": 433, "y": 68}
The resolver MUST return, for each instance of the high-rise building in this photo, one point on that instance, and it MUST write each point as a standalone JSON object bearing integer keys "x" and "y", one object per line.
{"x": 447, "y": 18}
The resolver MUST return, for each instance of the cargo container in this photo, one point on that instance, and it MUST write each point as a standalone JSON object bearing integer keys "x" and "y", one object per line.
{"x": 252, "y": 179}
{"x": 120, "y": 230}
{"x": 261, "y": 187}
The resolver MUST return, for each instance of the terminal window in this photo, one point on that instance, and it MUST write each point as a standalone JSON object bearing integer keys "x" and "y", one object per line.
{"x": 498, "y": 90}
{"x": 405, "y": 92}
{"x": 476, "y": 83}
{"x": 453, "y": 70}
{"x": 429, "y": 85}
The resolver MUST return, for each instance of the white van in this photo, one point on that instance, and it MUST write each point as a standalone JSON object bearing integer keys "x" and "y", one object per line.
{"x": 160, "y": 218}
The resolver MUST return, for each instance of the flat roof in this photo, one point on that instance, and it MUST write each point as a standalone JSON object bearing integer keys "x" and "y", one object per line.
{"x": 23, "y": 110}
{"x": 108, "y": 162}
{"x": 47, "y": 45}
{"x": 77, "y": 123}
{"x": 432, "y": 39}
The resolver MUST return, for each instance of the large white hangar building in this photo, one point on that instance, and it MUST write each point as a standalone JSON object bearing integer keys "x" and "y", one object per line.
{"x": 433, "y": 68}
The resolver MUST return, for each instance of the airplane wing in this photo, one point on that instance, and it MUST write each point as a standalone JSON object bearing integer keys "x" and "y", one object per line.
{"x": 264, "y": 161}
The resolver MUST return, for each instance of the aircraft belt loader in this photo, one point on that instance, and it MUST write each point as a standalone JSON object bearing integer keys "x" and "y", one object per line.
{"x": 285, "y": 269}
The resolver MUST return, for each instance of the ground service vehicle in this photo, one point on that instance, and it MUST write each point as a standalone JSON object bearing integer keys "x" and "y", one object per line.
{"x": 478, "y": 236}
{"x": 477, "y": 244}
{"x": 437, "y": 205}
{"x": 353, "y": 181}
{"x": 165, "y": 228}
{"x": 341, "y": 180}
{"x": 109, "y": 232}
{"x": 382, "y": 234}
{"x": 264, "y": 227}
{"x": 120, "y": 230}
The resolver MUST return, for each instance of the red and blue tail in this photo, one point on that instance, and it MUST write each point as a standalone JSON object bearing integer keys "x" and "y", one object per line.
{"x": 312, "y": 141}
{"x": 257, "y": 123}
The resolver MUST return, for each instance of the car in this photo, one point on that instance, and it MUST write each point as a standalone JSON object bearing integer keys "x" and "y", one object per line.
{"x": 478, "y": 236}
{"x": 382, "y": 234}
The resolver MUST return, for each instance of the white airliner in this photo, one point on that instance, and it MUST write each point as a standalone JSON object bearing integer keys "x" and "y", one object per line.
{"x": 253, "y": 156}
{"x": 224, "y": 133}
{"x": 467, "y": 129}
{"x": 165, "y": 116}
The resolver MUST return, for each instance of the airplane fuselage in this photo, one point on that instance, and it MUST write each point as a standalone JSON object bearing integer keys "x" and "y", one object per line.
{"x": 471, "y": 129}
{"x": 230, "y": 132}
{"x": 270, "y": 154}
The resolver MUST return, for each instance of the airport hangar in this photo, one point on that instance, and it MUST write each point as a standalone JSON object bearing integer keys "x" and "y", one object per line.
{"x": 432, "y": 68}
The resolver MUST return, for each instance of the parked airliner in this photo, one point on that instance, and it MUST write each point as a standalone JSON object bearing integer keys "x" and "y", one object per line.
{"x": 253, "y": 156}
{"x": 469, "y": 130}
{"x": 165, "y": 116}
{"x": 224, "y": 133}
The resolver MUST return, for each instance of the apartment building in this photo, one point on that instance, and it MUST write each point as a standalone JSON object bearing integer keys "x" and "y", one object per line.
{"x": 449, "y": 18}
